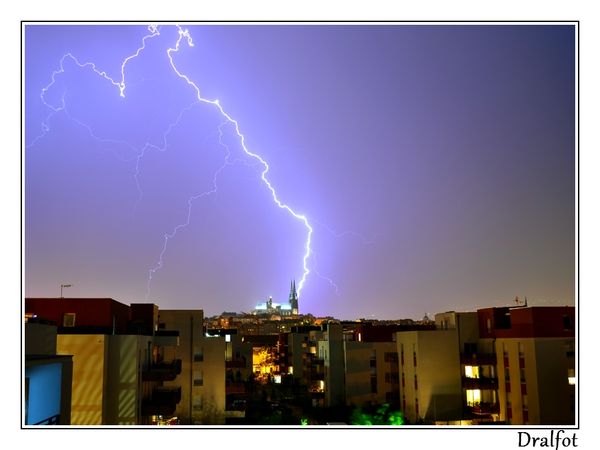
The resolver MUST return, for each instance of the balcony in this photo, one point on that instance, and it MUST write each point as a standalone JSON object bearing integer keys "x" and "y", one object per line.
{"x": 235, "y": 388}
{"x": 480, "y": 383}
{"x": 163, "y": 401}
{"x": 165, "y": 371}
{"x": 481, "y": 409}
{"x": 478, "y": 359}
{"x": 235, "y": 364}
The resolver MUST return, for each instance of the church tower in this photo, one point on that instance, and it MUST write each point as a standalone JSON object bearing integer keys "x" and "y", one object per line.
{"x": 293, "y": 298}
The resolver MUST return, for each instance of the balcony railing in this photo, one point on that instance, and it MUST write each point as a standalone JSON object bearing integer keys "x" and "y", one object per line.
{"x": 484, "y": 408}
{"x": 478, "y": 359}
{"x": 479, "y": 383}
{"x": 163, "y": 401}
{"x": 235, "y": 388}
{"x": 235, "y": 363}
{"x": 162, "y": 371}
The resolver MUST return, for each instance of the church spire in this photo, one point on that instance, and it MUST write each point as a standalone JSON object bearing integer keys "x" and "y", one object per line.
{"x": 293, "y": 297}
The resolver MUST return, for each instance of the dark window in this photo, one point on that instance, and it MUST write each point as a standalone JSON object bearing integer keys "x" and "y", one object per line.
{"x": 470, "y": 348}
{"x": 374, "y": 385}
{"x": 567, "y": 322}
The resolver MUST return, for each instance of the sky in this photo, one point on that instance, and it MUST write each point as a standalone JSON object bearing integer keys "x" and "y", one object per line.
{"x": 434, "y": 164}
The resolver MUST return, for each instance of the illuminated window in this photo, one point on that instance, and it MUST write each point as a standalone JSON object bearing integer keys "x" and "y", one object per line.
{"x": 571, "y": 376}
{"x": 473, "y": 396}
{"x": 472, "y": 371}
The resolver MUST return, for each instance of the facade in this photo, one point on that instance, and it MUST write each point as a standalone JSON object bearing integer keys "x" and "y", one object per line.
{"x": 477, "y": 366}
{"x": 371, "y": 373}
{"x": 202, "y": 377}
{"x": 107, "y": 375}
{"x": 331, "y": 350}
{"x": 536, "y": 363}
{"x": 430, "y": 376}
{"x": 117, "y": 376}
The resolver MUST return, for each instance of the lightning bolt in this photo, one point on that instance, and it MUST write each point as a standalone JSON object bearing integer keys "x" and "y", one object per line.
{"x": 183, "y": 34}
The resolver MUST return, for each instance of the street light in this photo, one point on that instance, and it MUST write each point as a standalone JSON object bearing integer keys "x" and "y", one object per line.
{"x": 64, "y": 286}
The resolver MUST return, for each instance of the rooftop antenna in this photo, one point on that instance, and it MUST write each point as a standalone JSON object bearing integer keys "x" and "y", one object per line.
{"x": 64, "y": 286}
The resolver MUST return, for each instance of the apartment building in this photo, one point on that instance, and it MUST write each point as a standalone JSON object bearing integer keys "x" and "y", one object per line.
{"x": 430, "y": 375}
{"x": 202, "y": 377}
{"x": 371, "y": 373}
{"x": 535, "y": 348}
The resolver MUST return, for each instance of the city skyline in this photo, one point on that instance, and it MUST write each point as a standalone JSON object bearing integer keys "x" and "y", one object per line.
{"x": 434, "y": 164}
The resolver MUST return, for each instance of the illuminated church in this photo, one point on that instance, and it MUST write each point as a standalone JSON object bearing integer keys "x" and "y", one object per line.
{"x": 281, "y": 309}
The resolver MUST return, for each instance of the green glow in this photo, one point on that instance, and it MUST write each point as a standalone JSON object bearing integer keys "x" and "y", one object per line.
{"x": 303, "y": 421}
{"x": 381, "y": 416}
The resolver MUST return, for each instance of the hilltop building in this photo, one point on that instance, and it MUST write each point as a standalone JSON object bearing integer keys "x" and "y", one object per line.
{"x": 281, "y": 309}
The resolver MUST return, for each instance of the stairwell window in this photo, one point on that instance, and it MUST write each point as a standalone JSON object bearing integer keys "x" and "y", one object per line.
{"x": 69, "y": 320}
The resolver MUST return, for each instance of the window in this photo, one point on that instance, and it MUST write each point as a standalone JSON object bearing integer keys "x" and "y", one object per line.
{"x": 374, "y": 384}
{"x": 473, "y": 397}
{"x": 69, "y": 320}
{"x": 197, "y": 405}
{"x": 390, "y": 357}
{"x": 416, "y": 384}
{"x": 567, "y": 325}
{"x": 470, "y": 348}
{"x": 198, "y": 378}
{"x": 472, "y": 371}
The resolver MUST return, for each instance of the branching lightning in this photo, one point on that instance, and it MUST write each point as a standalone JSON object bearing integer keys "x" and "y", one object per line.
{"x": 140, "y": 153}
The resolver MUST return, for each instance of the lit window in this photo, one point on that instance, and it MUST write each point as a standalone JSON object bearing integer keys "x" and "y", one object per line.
{"x": 472, "y": 371}
{"x": 473, "y": 397}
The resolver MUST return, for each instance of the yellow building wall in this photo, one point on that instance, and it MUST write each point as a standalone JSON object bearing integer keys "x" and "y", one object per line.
{"x": 546, "y": 380}
{"x": 439, "y": 388}
{"x": 358, "y": 371}
{"x": 88, "y": 375}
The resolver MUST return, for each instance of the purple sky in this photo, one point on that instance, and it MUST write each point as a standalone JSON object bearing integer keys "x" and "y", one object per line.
{"x": 435, "y": 164}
